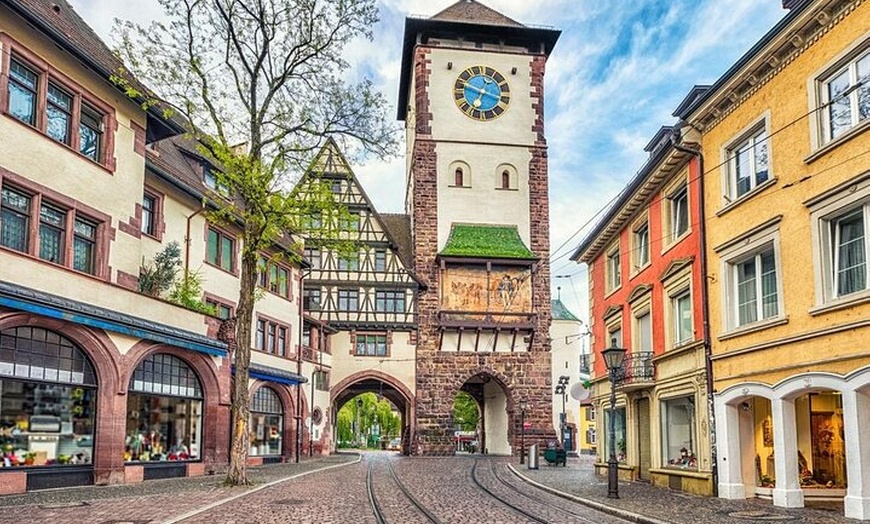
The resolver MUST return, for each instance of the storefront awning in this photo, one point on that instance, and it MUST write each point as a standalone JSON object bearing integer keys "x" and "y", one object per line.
{"x": 38, "y": 302}
{"x": 270, "y": 374}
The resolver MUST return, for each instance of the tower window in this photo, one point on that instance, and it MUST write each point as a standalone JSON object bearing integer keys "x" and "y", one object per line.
{"x": 505, "y": 179}
{"x": 458, "y": 177}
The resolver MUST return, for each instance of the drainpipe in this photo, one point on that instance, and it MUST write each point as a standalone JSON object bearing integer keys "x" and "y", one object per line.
{"x": 705, "y": 305}
{"x": 302, "y": 276}
{"x": 187, "y": 241}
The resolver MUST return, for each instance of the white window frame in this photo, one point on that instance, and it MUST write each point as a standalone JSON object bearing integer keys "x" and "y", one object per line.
{"x": 761, "y": 239}
{"x": 675, "y": 285}
{"x": 753, "y": 134}
{"x": 613, "y": 275}
{"x": 820, "y": 136}
{"x": 670, "y": 211}
{"x": 676, "y": 318}
{"x": 850, "y": 69}
{"x": 825, "y": 210}
{"x": 640, "y": 249}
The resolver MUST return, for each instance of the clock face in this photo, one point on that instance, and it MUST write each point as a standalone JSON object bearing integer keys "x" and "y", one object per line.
{"x": 482, "y": 93}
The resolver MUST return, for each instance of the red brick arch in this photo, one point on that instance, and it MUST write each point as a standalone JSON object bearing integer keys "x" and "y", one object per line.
{"x": 289, "y": 404}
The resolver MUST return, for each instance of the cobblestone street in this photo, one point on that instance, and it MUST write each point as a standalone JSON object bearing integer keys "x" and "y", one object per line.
{"x": 333, "y": 489}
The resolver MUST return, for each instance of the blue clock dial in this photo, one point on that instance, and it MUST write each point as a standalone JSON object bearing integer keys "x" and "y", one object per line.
{"x": 481, "y": 92}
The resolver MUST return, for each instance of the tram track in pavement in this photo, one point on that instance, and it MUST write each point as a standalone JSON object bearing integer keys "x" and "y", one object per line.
{"x": 381, "y": 516}
{"x": 543, "y": 507}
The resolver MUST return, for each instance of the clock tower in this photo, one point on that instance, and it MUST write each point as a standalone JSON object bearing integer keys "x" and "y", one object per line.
{"x": 472, "y": 99}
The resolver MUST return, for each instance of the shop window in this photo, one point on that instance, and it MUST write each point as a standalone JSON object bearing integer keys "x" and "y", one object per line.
{"x": 48, "y": 393}
{"x": 678, "y": 433}
{"x": 164, "y": 411}
{"x": 821, "y": 440}
{"x": 267, "y": 422}
{"x": 371, "y": 345}
{"x": 618, "y": 418}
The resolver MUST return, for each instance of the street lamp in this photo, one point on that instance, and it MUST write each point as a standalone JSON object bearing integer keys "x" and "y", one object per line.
{"x": 562, "y": 389}
{"x": 613, "y": 359}
{"x": 522, "y": 431}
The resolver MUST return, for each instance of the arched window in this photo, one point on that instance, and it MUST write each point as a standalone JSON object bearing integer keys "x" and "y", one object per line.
{"x": 267, "y": 422}
{"x": 48, "y": 389}
{"x": 505, "y": 179}
{"x": 164, "y": 411}
{"x": 458, "y": 177}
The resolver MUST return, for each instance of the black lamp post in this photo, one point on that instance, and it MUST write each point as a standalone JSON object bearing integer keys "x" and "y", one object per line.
{"x": 613, "y": 359}
{"x": 523, "y": 431}
{"x": 359, "y": 403}
{"x": 562, "y": 389}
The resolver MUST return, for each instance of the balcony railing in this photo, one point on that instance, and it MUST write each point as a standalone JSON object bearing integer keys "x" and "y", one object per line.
{"x": 638, "y": 371}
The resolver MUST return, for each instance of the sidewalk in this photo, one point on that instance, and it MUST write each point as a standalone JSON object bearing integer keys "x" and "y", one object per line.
{"x": 643, "y": 503}
{"x": 151, "y": 501}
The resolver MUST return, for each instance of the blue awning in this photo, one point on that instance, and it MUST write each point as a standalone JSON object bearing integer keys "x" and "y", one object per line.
{"x": 26, "y": 299}
{"x": 277, "y": 375}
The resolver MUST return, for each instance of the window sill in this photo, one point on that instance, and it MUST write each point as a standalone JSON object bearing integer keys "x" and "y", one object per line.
{"x": 854, "y": 299}
{"x": 639, "y": 269}
{"x": 837, "y": 142}
{"x": 694, "y": 473}
{"x": 459, "y": 187}
{"x": 610, "y": 292}
{"x": 753, "y": 327}
{"x": 230, "y": 272}
{"x": 507, "y": 189}
{"x": 686, "y": 347}
{"x": 676, "y": 241}
{"x": 746, "y": 196}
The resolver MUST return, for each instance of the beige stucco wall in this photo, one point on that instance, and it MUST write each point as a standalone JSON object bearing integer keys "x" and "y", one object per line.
{"x": 62, "y": 169}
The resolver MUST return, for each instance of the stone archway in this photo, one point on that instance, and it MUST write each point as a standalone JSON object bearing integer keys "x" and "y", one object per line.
{"x": 498, "y": 414}
{"x": 387, "y": 386}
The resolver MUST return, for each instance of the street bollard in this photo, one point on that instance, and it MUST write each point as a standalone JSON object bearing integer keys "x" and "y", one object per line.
{"x": 532, "y": 459}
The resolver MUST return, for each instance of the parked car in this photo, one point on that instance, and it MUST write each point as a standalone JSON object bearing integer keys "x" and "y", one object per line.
{"x": 395, "y": 445}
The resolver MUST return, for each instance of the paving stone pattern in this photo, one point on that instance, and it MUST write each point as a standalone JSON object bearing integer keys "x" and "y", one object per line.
{"x": 333, "y": 490}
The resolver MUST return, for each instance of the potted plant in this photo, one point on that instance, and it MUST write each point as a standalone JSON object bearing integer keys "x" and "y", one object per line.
{"x": 28, "y": 458}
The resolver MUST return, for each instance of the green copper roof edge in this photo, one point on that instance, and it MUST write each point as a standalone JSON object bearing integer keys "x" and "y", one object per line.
{"x": 489, "y": 241}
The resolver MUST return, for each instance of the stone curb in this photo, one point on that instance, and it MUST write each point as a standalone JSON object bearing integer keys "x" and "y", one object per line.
{"x": 604, "y": 508}
{"x": 194, "y": 512}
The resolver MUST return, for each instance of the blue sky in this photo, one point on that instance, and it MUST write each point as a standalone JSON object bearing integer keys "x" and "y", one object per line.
{"x": 616, "y": 75}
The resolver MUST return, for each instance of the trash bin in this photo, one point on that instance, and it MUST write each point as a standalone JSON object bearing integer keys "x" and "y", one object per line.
{"x": 533, "y": 457}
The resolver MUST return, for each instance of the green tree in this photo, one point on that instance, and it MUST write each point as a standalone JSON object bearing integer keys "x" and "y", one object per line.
{"x": 465, "y": 412}
{"x": 270, "y": 75}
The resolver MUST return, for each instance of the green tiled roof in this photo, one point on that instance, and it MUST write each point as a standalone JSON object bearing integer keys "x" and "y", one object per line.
{"x": 485, "y": 241}
{"x": 560, "y": 312}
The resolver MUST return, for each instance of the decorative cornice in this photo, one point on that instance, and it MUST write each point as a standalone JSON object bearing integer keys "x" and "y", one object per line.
{"x": 770, "y": 61}
{"x": 639, "y": 291}
{"x": 675, "y": 267}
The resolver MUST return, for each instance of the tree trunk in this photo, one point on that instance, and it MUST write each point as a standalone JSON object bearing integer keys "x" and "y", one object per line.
{"x": 240, "y": 412}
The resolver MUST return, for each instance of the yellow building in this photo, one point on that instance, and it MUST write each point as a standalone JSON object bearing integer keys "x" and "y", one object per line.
{"x": 787, "y": 190}
{"x": 588, "y": 439}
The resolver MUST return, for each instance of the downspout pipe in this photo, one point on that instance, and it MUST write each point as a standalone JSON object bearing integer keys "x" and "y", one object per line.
{"x": 705, "y": 304}
{"x": 187, "y": 241}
